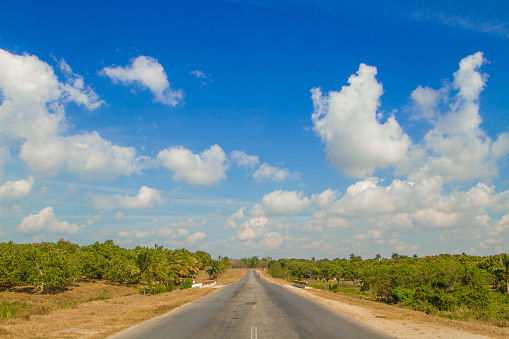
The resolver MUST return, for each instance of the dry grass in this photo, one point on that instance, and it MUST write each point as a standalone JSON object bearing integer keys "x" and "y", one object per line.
{"x": 402, "y": 322}
{"x": 94, "y": 309}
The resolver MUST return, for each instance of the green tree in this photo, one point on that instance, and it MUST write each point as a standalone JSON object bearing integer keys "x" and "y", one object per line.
{"x": 504, "y": 269}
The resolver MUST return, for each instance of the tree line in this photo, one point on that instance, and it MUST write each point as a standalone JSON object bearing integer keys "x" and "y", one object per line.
{"x": 52, "y": 265}
{"x": 457, "y": 286}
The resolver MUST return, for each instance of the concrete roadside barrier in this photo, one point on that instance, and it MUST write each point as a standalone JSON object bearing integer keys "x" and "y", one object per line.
{"x": 206, "y": 283}
{"x": 301, "y": 284}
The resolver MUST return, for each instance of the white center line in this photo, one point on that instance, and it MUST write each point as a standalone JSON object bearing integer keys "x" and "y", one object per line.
{"x": 254, "y": 332}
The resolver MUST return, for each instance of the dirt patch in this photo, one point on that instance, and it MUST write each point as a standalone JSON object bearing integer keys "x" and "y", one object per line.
{"x": 99, "y": 317}
{"x": 401, "y": 322}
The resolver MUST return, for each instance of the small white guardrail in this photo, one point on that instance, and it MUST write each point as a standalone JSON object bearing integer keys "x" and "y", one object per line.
{"x": 301, "y": 284}
{"x": 206, "y": 283}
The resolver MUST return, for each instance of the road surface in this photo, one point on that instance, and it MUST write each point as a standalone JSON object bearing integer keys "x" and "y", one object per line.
{"x": 253, "y": 308}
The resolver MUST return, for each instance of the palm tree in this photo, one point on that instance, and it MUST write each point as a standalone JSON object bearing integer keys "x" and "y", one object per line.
{"x": 214, "y": 269}
{"x": 143, "y": 261}
{"x": 504, "y": 267}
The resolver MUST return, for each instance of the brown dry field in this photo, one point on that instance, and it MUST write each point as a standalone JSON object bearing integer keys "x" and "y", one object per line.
{"x": 68, "y": 313}
{"x": 401, "y": 322}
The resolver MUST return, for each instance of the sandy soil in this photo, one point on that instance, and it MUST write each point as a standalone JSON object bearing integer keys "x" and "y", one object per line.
{"x": 100, "y": 318}
{"x": 401, "y": 322}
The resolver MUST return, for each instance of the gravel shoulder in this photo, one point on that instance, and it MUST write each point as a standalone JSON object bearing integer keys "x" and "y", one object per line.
{"x": 401, "y": 322}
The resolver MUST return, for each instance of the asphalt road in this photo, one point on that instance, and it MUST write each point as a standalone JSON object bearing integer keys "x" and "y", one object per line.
{"x": 254, "y": 308}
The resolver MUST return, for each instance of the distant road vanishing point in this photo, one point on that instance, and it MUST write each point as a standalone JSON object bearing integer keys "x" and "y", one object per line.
{"x": 253, "y": 308}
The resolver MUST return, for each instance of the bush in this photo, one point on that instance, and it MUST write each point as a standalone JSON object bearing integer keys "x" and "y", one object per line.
{"x": 164, "y": 288}
{"x": 188, "y": 283}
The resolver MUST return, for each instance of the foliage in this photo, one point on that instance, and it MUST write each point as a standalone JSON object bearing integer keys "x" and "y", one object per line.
{"x": 460, "y": 286}
{"x": 218, "y": 266}
{"x": 188, "y": 283}
{"x": 56, "y": 265}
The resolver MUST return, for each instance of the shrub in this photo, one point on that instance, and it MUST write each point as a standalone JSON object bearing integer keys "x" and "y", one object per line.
{"x": 188, "y": 283}
{"x": 164, "y": 288}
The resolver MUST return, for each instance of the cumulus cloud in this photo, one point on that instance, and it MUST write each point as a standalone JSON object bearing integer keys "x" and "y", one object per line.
{"x": 459, "y": 149}
{"x": 456, "y": 148}
{"x": 146, "y": 198}
{"x": 204, "y": 169}
{"x": 172, "y": 231}
{"x": 75, "y": 89}
{"x": 265, "y": 171}
{"x": 232, "y": 221}
{"x": 407, "y": 206}
{"x": 434, "y": 191}
{"x": 135, "y": 234}
{"x": 244, "y": 160}
{"x": 33, "y": 109}
{"x": 256, "y": 233}
{"x": 13, "y": 190}
{"x": 253, "y": 228}
{"x": 195, "y": 237}
{"x": 355, "y": 139}
{"x": 282, "y": 203}
{"x": 90, "y": 156}
{"x": 322, "y": 221}
{"x": 148, "y": 73}
{"x": 45, "y": 221}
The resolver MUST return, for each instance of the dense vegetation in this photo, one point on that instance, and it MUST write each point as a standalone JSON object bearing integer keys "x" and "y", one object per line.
{"x": 53, "y": 265}
{"x": 455, "y": 286}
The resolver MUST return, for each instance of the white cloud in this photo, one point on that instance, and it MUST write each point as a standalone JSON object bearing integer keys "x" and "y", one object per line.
{"x": 181, "y": 232}
{"x": 265, "y": 171}
{"x": 204, "y": 78}
{"x": 195, "y": 237}
{"x": 370, "y": 234}
{"x": 456, "y": 148}
{"x": 33, "y": 109}
{"x": 135, "y": 234}
{"x": 90, "y": 156}
{"x": 426, "y": 100}
{"x": 322, "y": 221}
{"x": 45, "y": 221}
{"x": 204, "y": 169}
{"x": 273, "y": 240}
{"x": 253, "y": 228}
{"x": 348, "y": 123}
{"x": 148, "y": 73}
{"x": 231, "y": 222}
{"x": 146, "y": 198}
{"x": 12, "y": 190}
{"x": 479, "y": 25}
{"x": 256, "y": 233}
{"x": 282, "y": 203}
{"x": 244, "y": 160}
{"x": 434, "y": 191}
{"x": 435, "y": 219}
{"x": 177, "y": 230}
{"x": 75, "y": 89}
{"x": 459, "y": 149}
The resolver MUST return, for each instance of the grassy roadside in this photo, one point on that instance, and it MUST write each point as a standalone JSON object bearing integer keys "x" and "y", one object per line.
{"x": 94, "y": 309}
{"x": 402, "y": 322}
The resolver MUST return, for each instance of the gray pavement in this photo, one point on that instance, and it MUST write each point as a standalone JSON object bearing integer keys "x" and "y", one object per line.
{"x": 254, "y": 308}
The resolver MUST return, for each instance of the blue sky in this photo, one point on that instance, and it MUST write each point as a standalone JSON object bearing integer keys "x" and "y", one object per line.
{"x": 270, "y": 128}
